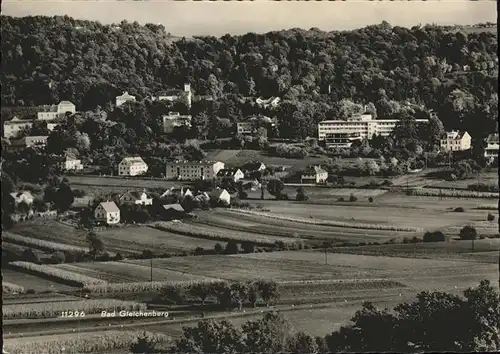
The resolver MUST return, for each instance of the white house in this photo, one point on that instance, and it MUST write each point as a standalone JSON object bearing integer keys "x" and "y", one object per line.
{"x": 27, "y": 142}
{"x": 455, "y": 141}
{"x": 362, "y": 126}
{"x": 491, "y": 149}
{"x": 71, "y": 164}
{"x": 132, "y": 166}
{"x": 314, "y": 174}
{"x": 174, "y": 120}
{"x": 270, "y": 102}
{"x": 220, "y": 196}
{"x": 23, "y": 196}
{"x": 235, "y": 174}
{"x": 177, "y": 191}
{"x": 12, "y": 127}
{"x": 173, "y": 95}
{"x": 107, "y": 212}
{"x": 124, "y": 98}
{"x": 193, "y": 170}
{"x": 52, "y": 112}
{"x": 136, "y": 197}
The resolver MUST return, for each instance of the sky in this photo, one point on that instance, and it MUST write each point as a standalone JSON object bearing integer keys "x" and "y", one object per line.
{"x": 188, "y": 18}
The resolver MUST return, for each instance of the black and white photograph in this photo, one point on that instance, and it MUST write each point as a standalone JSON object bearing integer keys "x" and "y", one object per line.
{"x": 226, "y": 177}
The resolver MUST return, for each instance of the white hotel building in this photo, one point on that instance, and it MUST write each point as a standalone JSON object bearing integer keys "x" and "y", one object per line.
{"x": 341, "y": 133}
{"x": 193, "y": 170}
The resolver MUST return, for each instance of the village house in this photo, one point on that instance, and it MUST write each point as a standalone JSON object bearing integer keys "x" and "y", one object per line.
{"x": 251, "y": 125}
{"x": 71, "y": 164}
{"x": 193, "y": 170}
{"x": 12, "y": 127}
{"x": 54, "y": 111}
{"x": 178, "y": 191}
{"x": 125, "y": 97}
{"x": 270, "y": 102}
{"x": 220, "y": 197}
{"x": 314, "y": 174}
{"x": 173, "y": 95}
{"x": 107, "y": 212}
{"x": 27, "y": 142}
{"x": 173, "y": 211}
{"x": 455, "y": 141}
{"x": 491, "y": 149}
{"x": 22, "y": 197}
{"x": 250, "y": 169}
{"x": 235, "y": 174}
{"x": 136, "y": 197}
{"x": 175, "y": 120}
{"x": 132, "y": 166}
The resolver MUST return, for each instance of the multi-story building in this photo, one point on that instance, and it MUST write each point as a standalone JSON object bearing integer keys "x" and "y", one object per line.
{"x": 364, "y": 125}
{"x": 28, "y": 142}
{"x": 193, "y": 170}
{"x": 54, "y": 111}
{"x": 491, "y": 149}
{"x": 173, "y": 95}
{"x": 12, "y": 127}
{"x": 132, "y": 166}
{"x": 125, "y": 97}
{"x": 343, "y": 140}
{"x": 455, "y": 141}
{"x": 174, "y": 120}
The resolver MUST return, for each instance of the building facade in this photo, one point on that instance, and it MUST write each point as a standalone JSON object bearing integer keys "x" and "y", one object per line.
{"x": 193, "y": 170}
{"x": 314, "y": 175}
{"x": 71, "y": 164}
{"x": 125, "y": 97}
{"x": 363, "y": 125}
{"x": 455, "y": 141}
{"x": 174, "y": 95}
{"x": 235, "y": 174}
{"x": 132, "y": 166}
{"x": 491, "y": 149}
{"x": 341, "y": 140}
{"x": 107, "y": 212}
{"x": 56, "y": 110}
{"x": 28, "y": 142}
{"x": 174, "y": 120}
{"x": 136, "y": 197}
{"x": 12, "y": 127}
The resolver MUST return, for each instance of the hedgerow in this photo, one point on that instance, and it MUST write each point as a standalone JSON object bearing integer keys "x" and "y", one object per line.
{"x": 57, "y": 274}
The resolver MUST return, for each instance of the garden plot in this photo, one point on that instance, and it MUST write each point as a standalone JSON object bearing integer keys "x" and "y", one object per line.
{"x": 28, "y": 281}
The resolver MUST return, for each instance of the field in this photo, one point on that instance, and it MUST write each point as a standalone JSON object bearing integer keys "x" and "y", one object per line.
{"x": 28, "y": 281}
{"x": 97, "y": 184}
{"x": 117, "y": 272}
{"x": 481, "y": 251}
{"x": 137, "y": 239}
{"x": 484, "y": 177}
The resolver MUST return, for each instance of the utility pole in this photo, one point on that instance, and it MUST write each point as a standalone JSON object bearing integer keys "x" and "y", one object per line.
{"x": 151, "y": 268}
{"x": 326, "y": 255}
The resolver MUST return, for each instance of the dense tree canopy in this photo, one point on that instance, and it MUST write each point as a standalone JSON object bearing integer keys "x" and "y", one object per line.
{"x": 317, "y": 74}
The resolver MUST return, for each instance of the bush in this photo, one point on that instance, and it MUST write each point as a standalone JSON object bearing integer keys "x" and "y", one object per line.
{"x": 468, "y": 232}
{"x": 341, "y": 199}
{"x": 435, "y": 236}
{"x": 370, "y": 199}
{"x": 459, "y": 210}
{"x": 491, "y": 217}
{"x": 353, "y": 198}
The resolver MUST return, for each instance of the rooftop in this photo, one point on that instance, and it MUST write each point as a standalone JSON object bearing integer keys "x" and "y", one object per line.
{"x": 109, "y": 207}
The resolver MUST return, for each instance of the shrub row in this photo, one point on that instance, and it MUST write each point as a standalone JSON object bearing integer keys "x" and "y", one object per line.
{"x": 483, "y": 187}
{"x": 41, "y": 244}
{"x": 99, "y": 342}
{"x": 10, "y": 288}
{"x": 451, "y": 193}
{"x": 57, "y": 274}
{"x": 330, "y": 223}
{"x": 193, "y": 231}
{"x": 54, "y": 309}
{"x": 487, "y": 207}
{"x": 139, "y": 287}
